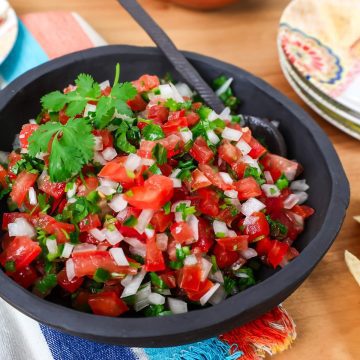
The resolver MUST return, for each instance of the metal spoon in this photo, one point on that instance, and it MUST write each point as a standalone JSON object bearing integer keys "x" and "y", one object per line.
{"x": 261, "y": 128}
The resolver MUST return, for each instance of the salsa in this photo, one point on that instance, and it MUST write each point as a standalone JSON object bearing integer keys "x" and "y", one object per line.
{"x": 137, "y": 197}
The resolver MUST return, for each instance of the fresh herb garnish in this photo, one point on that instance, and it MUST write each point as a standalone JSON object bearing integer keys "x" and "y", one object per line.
{"x": 255, "y": 173}
{"x": 282, "y": 182}
{"x": 152, "y": 132}
{"x": 277, "y": 229}
{"x": 159, "y": 153}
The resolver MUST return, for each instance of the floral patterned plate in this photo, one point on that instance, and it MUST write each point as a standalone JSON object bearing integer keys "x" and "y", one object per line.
{"x": 321, "y": 40}
{"x": 8, "y": 29}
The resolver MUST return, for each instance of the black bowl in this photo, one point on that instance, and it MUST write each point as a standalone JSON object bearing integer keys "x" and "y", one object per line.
{"x": 328, "y": 194}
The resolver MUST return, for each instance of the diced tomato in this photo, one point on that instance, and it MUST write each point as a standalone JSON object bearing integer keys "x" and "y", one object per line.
{"x": 116, "y": 171}
{"x": 228, "y": 152}
{"x": 199, "y": 180}
{"x": 146, "y": 83}
{"x": 154, "y": 194}
{"x": 3, "y": 175}
{"x": 303, "y": 210}
{"x": 206, "y": 236}
{"x": 91, "y": 183}
{"x": 205, "y": 286}
{"x": 21, "y": 186}
{"x": 169, "y": 279}
{"x": 107, "y": 303}
{"x": 247, "y": 188}
{"x": 13, "y": 159}
{"x": 106, "y": 91}
{"x": 293, "y": 222}
{"x": 107, "y": 138}
{"x": 166, "y": 169}
{"x": 278, "y": 165}
{"x": 137, "y": 103}
{"x": 277, "y": 253}
{"x": 192, "y": 118}
{"x": 66, "y": 284}
{"x": 25, "y": 276}
{"x": 160, "y": 221}
{"x": 264, "y": 246}
{"x": 182, "y": 233}
{"x": 11, "y": 217}
{"x": 239, "y": 168}
{"x": 246, "y": 134}
{"x": 90, "y": 222}
{"x": 176, "y": 115}
{"x": 80, "y": 302}
{"x": 146, "y": 147}
{"x": 63, "y": 118}
{"x": 256, "y": 226}
{"x": 173, "y": 144}
{"x": 190, "y": 277}
{"x": 214, "y": 177}
{"x": 25, "y": 133}
{"x": 225, "y": 258}
{"x": 22, "y": 250}
{"x": 174, "y": 126}
{"x": 154, "y": 259}
{"x": 54, "y": 189}
{"x": 201, "y": 152}
{"x": 236, "y": 243}
{"x": 87, "y": 262}
{"x": 207, "y": 201}
{"x": 158, "y": 113}
{"x": 226, "y": 216}
{"x": 257, "y": 150}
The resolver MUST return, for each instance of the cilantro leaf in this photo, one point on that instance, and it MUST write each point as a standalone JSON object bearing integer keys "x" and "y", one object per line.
{"x": 124, "y": 145}
{"x": 71, "y": 148}
{"x": 54, "y": 101}
{"x": 87, "y": 87}
{"x": 159, "y": 152}
{"x": 104, "y": 112}
{"x": 152, "y": 132}
{"x": 125, "y": 91}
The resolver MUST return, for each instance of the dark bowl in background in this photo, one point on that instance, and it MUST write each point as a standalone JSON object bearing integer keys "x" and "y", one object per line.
{"x": 328, "y": 194}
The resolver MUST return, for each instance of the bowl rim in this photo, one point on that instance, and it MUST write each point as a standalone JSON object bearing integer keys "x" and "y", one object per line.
{"x": 202, "y": 323}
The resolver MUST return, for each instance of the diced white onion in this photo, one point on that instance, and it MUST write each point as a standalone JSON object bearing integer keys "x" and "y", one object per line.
{"x": 98, "y": 234}
{"x": 31, "y": 121}
{"x": 118, "y": 203}
{"x": 213, "y": 116}
{"x": 231, "y": 233}
{"x": 178, "y": 217}
{"x": 205, "y": 298}
{"x": 134, "y": 285}
{"x": 143, "y": 292}
{"x": 176, "y": 204}
{"x": 270, "y": 190}
{"x": 184, "y": 90}
{"x": 291, "y": 201}
{"x": 220, "y": 227}
{"x": 98, "y": 158}
{"x": 68, "y": 249}
{"x": 109, "y": 153}
{"x": 176, "y": 182}
{"x": 186, "y": 135}
{"x": 83, "y": 248}
{"x": 226, "y": 177}
{"x": 224, "y": 86}
{"x": 138, "y": 251}
{"x": 169, "y": 91}
{"x": 177, "y": 306}
{"x": 244, "y": 147}
{"x": 106, "y": 190}
{"x": 176, "y": 95}
{"x": 122, "y": 215}
{"x": 142, "y": 304}
{"x": 147, "y": 162}
{"x": 233, "y": 194}
{"x": 193, "y": 222}
{"x": 250, "y": 161}
{"x": 217, "y": 276}
{"x": 268, "y": 177}
{"x": 236, "y": 203}
{"x": 174, "y": 173}
{"x": 32, "y": 196}
{"x": 105, "y": 84}
{"x": 156, "y": 299}
{"x": 137, "y": 247}
{"x": 219, "y": 296}
{"x": 248, "y": 253}
{"x": 205, "y": 268}
{"x": 213, "y": 138}
{"x": 70, "y": 269}
{"x": 119, "y": 256}
{"x": 225, "y": 114}
{"x": 113, "y": 236}
{"x": 88, "y": 109}
{"x": 126, "y": 280}
{"x": 102, "y": 247}
{"x": 231, "y": 134}
{"x": 299, "y": 185}
{"x": 71, "y": 192}
{"x": 132, "y": 162}
{"x": 109, "y": 183}
{"x": 41, "y": 155}
{"x": 190, "y": 260}
{"x": 143, "y": 220}
{"x": 252, "y": 205}
{"x": 302, "y": 196}
{"x": 21, "y": 227}
{"x": 149, "y": 232}
{"x": 51, "y": 246}
{"x": 162, "y": 241}
{"x": 98, "y": 143}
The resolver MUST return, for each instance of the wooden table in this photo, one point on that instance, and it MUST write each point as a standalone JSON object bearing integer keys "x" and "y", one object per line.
{"x": 326, "y": 308}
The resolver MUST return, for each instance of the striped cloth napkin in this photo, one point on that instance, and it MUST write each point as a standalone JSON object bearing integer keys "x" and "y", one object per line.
{"x": 39, "y": 39}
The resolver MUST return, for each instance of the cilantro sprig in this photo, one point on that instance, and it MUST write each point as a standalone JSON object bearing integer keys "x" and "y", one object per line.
{"x": 72, "y": 146}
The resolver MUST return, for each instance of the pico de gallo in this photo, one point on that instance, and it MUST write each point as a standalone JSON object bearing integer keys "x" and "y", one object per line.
{"x": 136, "y": 197}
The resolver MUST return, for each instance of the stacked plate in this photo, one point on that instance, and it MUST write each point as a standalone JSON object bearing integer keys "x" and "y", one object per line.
{"x": 319, "y": 50}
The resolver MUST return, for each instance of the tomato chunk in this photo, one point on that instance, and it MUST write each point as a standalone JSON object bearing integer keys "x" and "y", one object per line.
{"x": 66, "y": 284}
{"x": 154, "y": 259}
{"x": 116, "y": 171}
{"x": 25, "y": 276}
{"x": 56, "y": 190}
{"x": 256, "y": 226}
{"x": 182, "y": 233}
{"x": 107, "y": 303}
{"x": 278, "y": 165}
{"x": 247, "y": 188}
{"x": 20, "y": 189}
{"x": 90, "y": 222}
{"x": 204, "y": 287}
{"x": 25, "y": 133}
{"x": 190, "y": 277}
{"x": 199, "y": 180}
{"x": 236, "y": 243}
{"x": 225, "y": 258}
{"x": 146, "y": 83}
{"x": 201, "y": 152}
{"x": 11, "y": 217}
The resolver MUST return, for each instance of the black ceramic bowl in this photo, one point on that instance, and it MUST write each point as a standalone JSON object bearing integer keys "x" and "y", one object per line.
{"x": 328, "y": 194}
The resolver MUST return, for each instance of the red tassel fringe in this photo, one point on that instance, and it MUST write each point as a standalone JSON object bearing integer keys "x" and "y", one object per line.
{"x": 271, "y": 333}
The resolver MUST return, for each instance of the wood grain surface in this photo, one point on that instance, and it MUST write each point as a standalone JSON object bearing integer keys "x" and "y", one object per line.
{"x": 326, "y": 308}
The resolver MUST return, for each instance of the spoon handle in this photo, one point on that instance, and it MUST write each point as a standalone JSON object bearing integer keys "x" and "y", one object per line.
{"x": 178, "y": 60}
